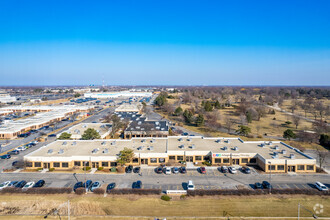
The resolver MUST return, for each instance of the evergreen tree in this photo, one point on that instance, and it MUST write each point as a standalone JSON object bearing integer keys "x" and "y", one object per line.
{"x": 200, "y": 120}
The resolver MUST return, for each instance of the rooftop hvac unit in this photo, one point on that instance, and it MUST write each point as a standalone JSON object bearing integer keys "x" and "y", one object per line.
{"x": 283, "y": 151}
{"x": 275, "y": 156}
{"x": 262, "y": 145}
{"x": 105, "y": 151}
{"x": 61, "y": 151}
{"x": 95, "y": 151}
{"x": 276, "y": 147}
{"x": 157, "y": 127}
{"x": 162, "y": 129}
{"x": 151, "y": 148}
{"x": 133, "y": 116}
{"x": 228, "y": 141}
{"x": 152, "y": 141}
{"x": 157, "y": 123}
{"x": 84, "y": 126}
{"x": 142, "y": 129}
{"x": 235, "y": 148}
{"x": 188, "y": 139}
{"x": 113, "y": 143}
{"x": 292, "y": 156}
{"x": 74, "y": 143}
{"x": 193, "y": 146}
{"x": 137, "y": 127}
{"x": 143, "y": 140}
{"x": 225, "y": 148}
{"x": 139, "y": 123}
{"x": 180, "y": 139}
{"x": 64, "y": 143}
{"x": 140, "y": 148}
{"x": 270, "y": 143}
{"x": 218, "y": 141}
{"x": 181, "y": 146}
{"x": 103, "y": 143}
{"x": 50, "y": 151}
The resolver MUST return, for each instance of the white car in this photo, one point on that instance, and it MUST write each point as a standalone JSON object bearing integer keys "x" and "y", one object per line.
{"x": 321, "y": 186}
{"x": 190, "y": 185}
{"x": 20, "y": 148}
{"x": 232, "y": 170}
{"x": 4, "y": 184}
{"x": 168, "y": 170}
{"x": 28, "y": 185}
{"x": 95, "y": 185}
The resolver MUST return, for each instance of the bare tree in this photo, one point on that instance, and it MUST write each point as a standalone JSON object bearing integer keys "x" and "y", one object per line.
{"x": 243, "y": 119}
{"x": 229, "y": 122}
{"x": 258, "y": 127}
{"x": 296, "y": 120}
{"x": 293, "y": 106}
{"x": 321, "y": 156}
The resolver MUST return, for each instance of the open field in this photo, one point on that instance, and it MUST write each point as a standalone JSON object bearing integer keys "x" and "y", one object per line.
{"x": 153, "y": 206}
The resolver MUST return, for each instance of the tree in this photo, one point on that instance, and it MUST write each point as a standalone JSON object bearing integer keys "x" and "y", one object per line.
{"x": 229, "y": 123}
{"x": 321, "y": 156}
{"x": 125, "y": 156}
{"x": 90, "y": 134}
{"x": 324, "y": 140}
{"x": 296, "y": 120}
{"x": 161, "y": 99}
{"x": 248, "y": 117}
{"x": 65, "y": 136}
{"x": 288, "y": 134}
{"x": 244, "y": 130}
{"x": 188, "y": 116}
{"x": 217, "y": 104}
{"x": 178, "y": 111}
{"x": 77, "y": 95}
{"x": 208, "y": 106}
{"x": 200, "y": 120}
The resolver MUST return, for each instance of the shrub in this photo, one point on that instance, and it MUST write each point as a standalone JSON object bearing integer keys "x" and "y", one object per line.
{"x": 99, "y": 191}
{"x": 136, "y": 191}
{"x": 100, "y": 168}
{"x": 43, "y": 190}
{"x": 86, "y": 168}
{"x": 51, "y": 169}
{"x": 121, "y": 169}
{"x": 207, "y": 163}
{"x": 80, "y": 191}
{"x": 165, "y": 198}
{"x": 39, "y": 169}
{"x": 183, "y": 197}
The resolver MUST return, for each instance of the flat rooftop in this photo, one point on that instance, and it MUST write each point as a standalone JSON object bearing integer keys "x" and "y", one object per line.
{"x": 102, "y": 128}
{"x": 173, "y": 145}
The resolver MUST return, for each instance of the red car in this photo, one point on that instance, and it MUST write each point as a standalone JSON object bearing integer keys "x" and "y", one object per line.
{"x": 203, "y": 170}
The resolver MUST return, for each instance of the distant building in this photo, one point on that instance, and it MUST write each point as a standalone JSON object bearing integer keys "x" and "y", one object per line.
{"x": 6, "y": 98}
{"x": 109, "y": 95}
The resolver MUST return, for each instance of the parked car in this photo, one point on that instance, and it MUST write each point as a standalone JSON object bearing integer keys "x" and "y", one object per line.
{"x": 78, "y": 185}
{"x": 246, "y": 170}
{"x": 190, "y": 185}
{"x": 40, "y": 183}
{"x": 4, "y": 185}
{"x": 159, "y": 170}
{"x": 136, "y": 170}
{"x": 13, "y": 184}
{"x": 28, "y": 185}
{"x": 21, "y": 148}
{"x": 111, "y": 186}
{"x": 183, "y": 170}
{"x": 202, "y": 170}
{"x": 232, "y": 170}
{"x": 137, "y": 185}
{"x": 6, "y": 156}
{"x": 129, "y": 169}
{"x": 88, "y": 184}
{"x": 95, "y": 185}
{"x": 185, "y": 134}
{"x": 52, "y": 135}
{"x": 168, "y": 170}
{"x": 266, "y": 185}
{"x": 175, "y": 170}
{"x": 320, "y": 186}
{"x": 224, "y": 169}
{"x": 258, "y": 185}
{"x": 13, "y": 152}
{"x": 21, "y": 184}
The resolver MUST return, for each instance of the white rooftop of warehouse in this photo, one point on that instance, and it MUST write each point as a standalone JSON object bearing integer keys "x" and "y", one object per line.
{"x": 76, "y": 131}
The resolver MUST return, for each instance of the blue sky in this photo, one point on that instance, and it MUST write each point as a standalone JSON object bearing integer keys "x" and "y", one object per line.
{"x": 165, "y": 42}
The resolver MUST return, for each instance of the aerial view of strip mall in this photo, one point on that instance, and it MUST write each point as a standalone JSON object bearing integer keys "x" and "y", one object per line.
{"x": 165, "y": 110}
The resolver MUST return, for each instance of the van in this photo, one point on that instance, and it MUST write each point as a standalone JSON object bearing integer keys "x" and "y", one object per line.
{"x": 190, "y": 185}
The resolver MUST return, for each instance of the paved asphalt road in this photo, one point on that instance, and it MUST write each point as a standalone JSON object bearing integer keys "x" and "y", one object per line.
{"x": 213, "y": 179}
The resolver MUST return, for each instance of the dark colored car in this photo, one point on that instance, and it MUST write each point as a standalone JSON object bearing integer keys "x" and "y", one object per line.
{"x": 224, "y": 169}
{"x": 129, "y": 169}
{"x": 185, "y": 134}
{"x": 14, "y": 163}
{"x": 40, "y": 183}
{"x": 78, "y": 185}
{"x": 137, "y": 170}
{"x": 88, "y": 184}
{"x": 258, "y": 185}
{"x": 14, "y": 152}
{"x": 13, "y": 184}
{"x": 21, "y": 184}
{"x": 137, "y": 185}
{"x": 6, "y": 156}
{"x": 266, "y": 185}
{"x": 202, "y": 170}
{"x": 246, "y": 170}
{"x": 52, "y": 135}
{"x": 159, "y": 170}
{"x": 183, "y": 170}
{"x": 111, "y": 186}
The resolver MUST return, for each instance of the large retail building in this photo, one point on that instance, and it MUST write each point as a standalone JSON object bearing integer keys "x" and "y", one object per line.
{"x": 277, "y": 156}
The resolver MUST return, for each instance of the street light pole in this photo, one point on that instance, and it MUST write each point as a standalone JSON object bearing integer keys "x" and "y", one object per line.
{"x": 313, "y": 215}
{"x": 270, "y": 177}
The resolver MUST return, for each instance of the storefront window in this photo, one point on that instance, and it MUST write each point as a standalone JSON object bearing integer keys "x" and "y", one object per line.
{"x": 65, "y": 164}
{"x": 253, "y": 160}
{"x": 225, "y": 160}
{"x": 280, "y": 167}
{"x": 56, "y": 164}
{"x": 153, "y": 160}
{"x": 245, "y": 160}
{"x": 135, "y": 160}
{"x": 217, "y": 160}
{"x": 180, "y": 157}
{"x": 161, "y": 160}
{"x": 198, "y": 158}
{"x": 301, "y": 167}
{"x": 171, "y": 157}
{"x": 37, "y": 164}
{"x": 28, "y": 164}
{"x": 77, "y": 163}
{"x": 271, "y": 167}
{"x": 310, "y": 167}
{"x": 105, "y": 164}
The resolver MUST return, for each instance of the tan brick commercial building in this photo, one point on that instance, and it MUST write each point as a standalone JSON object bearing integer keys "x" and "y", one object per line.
{"x": 155, "y": 151}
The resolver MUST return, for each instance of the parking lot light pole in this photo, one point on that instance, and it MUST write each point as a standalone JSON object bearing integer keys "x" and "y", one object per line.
{"x": 270, "y": 177}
